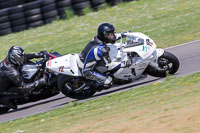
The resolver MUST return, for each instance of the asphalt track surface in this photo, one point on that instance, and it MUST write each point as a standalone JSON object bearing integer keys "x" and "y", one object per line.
{"x": 188, "y": 54}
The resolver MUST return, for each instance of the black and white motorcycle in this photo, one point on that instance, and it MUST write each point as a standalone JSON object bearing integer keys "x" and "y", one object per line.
{"x": 32, "y": 71}
{"x": 137, "y": 47}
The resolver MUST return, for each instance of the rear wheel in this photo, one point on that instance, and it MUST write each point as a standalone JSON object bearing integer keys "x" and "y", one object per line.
{"x": 167, "y": 60}
{"x": 69, "y": 87}
{"x": 4, "y": 110}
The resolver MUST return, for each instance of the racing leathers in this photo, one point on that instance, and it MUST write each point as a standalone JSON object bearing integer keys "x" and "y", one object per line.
{"x": 10, "y": 77}
{"x": 92, "y": 57}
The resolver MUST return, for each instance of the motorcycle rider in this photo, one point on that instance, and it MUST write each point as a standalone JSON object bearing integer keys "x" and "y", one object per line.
{"x": 97, "y": 53}
{"x": 12, "y": 84}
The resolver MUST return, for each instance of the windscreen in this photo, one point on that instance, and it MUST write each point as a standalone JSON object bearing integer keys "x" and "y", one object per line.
{"x": 134, "y": 41}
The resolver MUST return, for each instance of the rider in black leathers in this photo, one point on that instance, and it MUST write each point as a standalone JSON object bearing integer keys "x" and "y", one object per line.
{"x": 11, "y": 82}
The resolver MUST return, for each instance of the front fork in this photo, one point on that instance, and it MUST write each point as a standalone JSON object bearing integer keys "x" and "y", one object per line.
{"x": 154, "y": 63}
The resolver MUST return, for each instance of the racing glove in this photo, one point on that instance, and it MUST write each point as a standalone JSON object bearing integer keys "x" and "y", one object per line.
{"x": 41, "y": 54}
{"x": 120, "y": 35}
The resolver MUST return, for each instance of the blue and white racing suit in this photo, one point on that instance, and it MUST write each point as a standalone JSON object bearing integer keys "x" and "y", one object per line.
{"x": 98, "y": 55}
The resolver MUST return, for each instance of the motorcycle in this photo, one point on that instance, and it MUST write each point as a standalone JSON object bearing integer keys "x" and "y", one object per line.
{"x": 140, "y": 49}
{"x": 32, "y": 71}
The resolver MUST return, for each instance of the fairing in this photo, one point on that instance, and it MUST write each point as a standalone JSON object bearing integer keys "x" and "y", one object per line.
{"x": 29, "y": 71}
{"x": 65, "y": 65}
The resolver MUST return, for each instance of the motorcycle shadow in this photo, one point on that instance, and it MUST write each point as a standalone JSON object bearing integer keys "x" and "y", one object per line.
{"x": 124, "y": 87}
{"x": 33, "y": 105}
{"x": 117, "y": 88}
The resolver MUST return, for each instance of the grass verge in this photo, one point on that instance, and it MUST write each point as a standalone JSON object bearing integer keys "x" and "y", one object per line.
{"x": 168, "y": 22}
{"x": 139, "y": 105}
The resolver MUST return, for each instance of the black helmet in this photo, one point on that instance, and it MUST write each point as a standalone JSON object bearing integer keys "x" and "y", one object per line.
{"x": 103, "y": 33}
{"x": 16, "y": 55}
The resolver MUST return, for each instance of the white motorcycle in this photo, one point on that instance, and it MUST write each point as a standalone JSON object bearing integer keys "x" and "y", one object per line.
{"x": 140, "y": 49}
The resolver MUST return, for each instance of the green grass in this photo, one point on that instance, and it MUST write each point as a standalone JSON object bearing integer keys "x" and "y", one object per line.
{"x": 168, "y": 22}
{"x": 152, "y": 97}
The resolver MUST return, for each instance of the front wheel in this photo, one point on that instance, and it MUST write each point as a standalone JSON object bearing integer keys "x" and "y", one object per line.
{"x": 167, "y": 60}
{"x": 68, "y": 85}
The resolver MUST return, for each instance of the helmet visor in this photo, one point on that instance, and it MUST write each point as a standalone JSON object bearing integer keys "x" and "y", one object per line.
{"x": 110, "y": 37}
{"x": 20, "y": 60}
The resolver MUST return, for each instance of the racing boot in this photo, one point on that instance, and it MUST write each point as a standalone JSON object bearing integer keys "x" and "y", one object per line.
{"x": 100, "y": 86}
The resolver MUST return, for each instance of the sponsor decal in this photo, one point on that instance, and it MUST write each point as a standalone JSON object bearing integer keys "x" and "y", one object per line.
{"x": 61, "y": 69}
{"x": 143, "y": 65}
{"x": 49, "y": 63}
{"x": 151, "y": 44}
{"x": 144, "y": 48}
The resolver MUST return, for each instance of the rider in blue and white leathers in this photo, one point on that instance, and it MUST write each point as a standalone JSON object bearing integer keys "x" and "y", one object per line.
{"x": 99, "y": 55}
{"x": 96, "y": 53}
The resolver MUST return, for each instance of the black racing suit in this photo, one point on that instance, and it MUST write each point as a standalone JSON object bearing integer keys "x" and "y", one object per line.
{"x": 96, "y": 54}
{"x": 11, "y": 82}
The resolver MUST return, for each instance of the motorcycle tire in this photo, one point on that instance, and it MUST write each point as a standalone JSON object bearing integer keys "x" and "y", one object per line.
{"x": 78, "y": 1}
{"x": 64, "y": 3}
{"x": 5, "y": 31}
{"x": 47, "y": 2}
{"x": 7, "y": 4}
{"x": 170, "y": 60}
{"x": 4, "y": 19}
{"x": 18, "y": 22}
{"x": 16, "y": 16}
{"x": 64, "y": 79}
{"x": 31, "y": 5}
{"x": 50, "y": 14}
{"x": 4, "y": 12}
{"x": 15, "y": 9}
{"x": 35, "y": 24}
{"x": 32, "y": 12}
{"x": 49, "y": 20}
{"x": 4, "y": 110}
{"x": 19, "y": 28}
{"x": 49, "y": 8}
{"x": 34, "y": 18}
{"x": 97, "y": 2}
{"x": 80, "y": 6}
{"x": 4, "y": 25}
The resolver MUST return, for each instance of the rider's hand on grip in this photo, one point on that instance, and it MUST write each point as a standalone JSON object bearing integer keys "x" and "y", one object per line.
{"x": 123, "y": 34}
{"x": 42, "y": 53}
{"x": 120, "y": 35}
